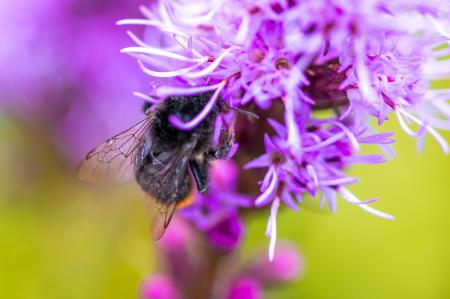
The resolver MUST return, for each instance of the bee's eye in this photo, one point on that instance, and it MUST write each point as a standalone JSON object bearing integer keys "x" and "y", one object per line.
{"x": 146, "y": 106}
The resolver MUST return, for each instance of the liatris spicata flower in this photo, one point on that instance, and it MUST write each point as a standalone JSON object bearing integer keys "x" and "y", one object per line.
{"x": 216, "y": 212}
{"x": 359, "y": 60}
{"x": 185, "y": 253}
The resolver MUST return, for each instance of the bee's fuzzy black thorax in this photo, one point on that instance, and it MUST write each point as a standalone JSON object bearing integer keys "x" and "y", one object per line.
{"x": 186, "y": 108}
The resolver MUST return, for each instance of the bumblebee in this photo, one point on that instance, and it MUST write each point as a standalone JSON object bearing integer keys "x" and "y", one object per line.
{"x": 161, "y": 158}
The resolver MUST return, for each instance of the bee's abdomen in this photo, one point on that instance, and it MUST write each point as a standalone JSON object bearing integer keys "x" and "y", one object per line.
{"x": 157, "y": 179}
{"x": 162, "y": 187}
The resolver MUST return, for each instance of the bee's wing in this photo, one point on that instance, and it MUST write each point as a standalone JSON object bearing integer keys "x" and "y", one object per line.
{"x": 160, "y": 216}
{"x": 112, "y": 161}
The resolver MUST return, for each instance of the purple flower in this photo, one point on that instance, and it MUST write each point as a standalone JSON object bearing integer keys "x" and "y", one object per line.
{"x": 227, "y": 233}
{"x": 286, "y": 266}
{"x": 175, "y": 252}
{"x": 216, "y": 211}
{"x": 191, "y": 268}
{"x": 245, "y": 288}
{"x": 359, "y": 60}
{"x": 159, "y": 287}
{"x": 328, "y": 147}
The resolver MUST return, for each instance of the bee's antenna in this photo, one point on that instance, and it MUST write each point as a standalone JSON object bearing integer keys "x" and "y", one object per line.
{"x": 247, "y": 113}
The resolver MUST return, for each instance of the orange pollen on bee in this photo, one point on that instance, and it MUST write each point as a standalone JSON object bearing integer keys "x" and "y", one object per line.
{"x": 187, "y": 201}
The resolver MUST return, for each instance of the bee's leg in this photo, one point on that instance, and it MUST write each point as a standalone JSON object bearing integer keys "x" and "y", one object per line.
{"x": 224, "y": 147}
{"x": 200, "y": 175}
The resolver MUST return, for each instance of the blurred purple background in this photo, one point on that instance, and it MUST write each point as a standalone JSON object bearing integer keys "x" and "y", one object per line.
{"x": 62, "y": 70}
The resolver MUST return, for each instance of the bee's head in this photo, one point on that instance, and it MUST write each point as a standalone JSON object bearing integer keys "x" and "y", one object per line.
{"x": 146, "y": 106}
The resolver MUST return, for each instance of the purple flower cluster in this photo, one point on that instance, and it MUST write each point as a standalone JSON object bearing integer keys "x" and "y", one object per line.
{"x": 328, "y": 147}
{"x": 359, "y": 60}
{"x": 216, "y": 213}
{"x": 218, "y": 274}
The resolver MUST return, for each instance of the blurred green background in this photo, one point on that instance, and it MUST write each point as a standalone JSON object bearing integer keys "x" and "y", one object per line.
{"x": 60, "y": 238}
